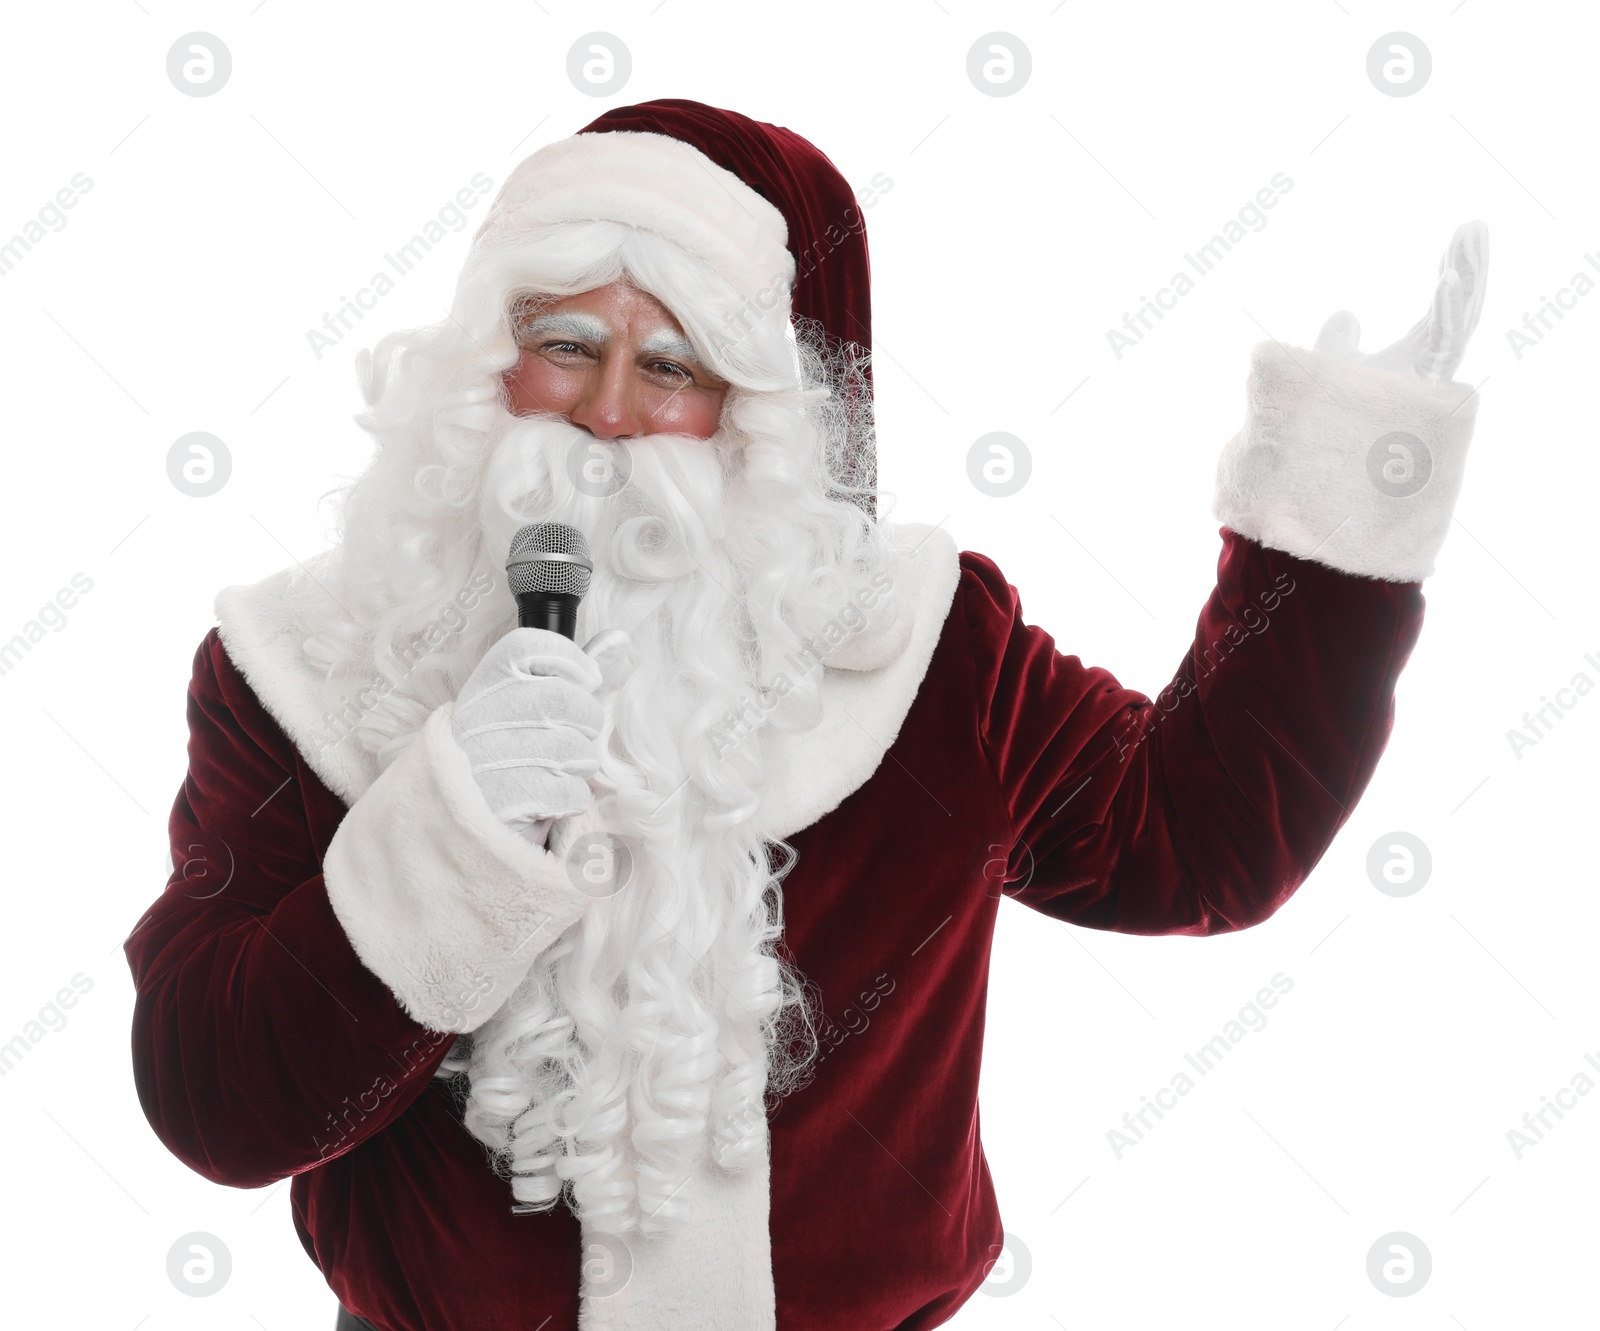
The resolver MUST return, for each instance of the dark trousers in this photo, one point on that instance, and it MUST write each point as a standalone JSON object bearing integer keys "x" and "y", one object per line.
{"x": 348, "y": 1321}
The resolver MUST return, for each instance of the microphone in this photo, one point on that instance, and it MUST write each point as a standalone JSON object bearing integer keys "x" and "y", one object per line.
{"x": 548, "y": 571}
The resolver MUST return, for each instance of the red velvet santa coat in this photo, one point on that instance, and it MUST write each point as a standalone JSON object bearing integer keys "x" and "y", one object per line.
{"x": 264, "y": 1047}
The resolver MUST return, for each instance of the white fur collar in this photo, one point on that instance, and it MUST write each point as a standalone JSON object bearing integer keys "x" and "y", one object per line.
{"x": 864, "y": 702}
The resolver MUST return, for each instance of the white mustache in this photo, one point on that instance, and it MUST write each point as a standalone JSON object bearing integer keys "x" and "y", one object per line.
{"x": 659, "y": 505}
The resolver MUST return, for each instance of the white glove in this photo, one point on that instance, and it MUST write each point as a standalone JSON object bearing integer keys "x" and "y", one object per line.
{"x": 529, "y": 723}
{"x": 1437, "y": 342}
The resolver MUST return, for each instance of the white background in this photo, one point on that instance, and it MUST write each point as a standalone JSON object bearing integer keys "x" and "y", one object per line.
{"x": 1018, "y": 229}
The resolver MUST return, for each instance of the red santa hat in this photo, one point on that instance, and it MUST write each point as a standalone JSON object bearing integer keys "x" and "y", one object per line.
{"x": 762, "y": 206}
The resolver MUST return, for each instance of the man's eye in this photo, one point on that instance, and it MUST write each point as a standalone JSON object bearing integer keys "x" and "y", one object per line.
{"x": 677, "y": 370}
{"x": 570, "y": 346}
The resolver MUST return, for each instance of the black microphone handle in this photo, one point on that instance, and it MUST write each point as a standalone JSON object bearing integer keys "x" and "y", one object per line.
{"x": 549, "y": 610}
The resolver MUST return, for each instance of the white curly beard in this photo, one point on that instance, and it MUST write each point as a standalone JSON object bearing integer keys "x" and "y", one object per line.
{"x": 641, "y": 1039}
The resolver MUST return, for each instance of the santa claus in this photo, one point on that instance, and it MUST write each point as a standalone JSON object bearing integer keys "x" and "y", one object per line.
{"x": 547, "y": 971}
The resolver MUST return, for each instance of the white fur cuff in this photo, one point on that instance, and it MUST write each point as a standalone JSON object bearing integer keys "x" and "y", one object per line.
{"x": 1356, "y": 468}
{"x": 442, "y": 901}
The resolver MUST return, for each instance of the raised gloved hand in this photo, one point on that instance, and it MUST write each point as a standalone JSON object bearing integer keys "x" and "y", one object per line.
{"x": 529, "y": 722}
{"x": 1436, "y": 343}
{"x": 1356, "y": 461}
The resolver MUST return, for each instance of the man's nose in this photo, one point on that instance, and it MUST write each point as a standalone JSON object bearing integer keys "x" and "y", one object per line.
{"x": 607, "y": 408}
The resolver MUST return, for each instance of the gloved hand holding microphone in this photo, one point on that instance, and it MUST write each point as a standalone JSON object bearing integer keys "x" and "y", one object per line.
{"x": 527, "y": 717}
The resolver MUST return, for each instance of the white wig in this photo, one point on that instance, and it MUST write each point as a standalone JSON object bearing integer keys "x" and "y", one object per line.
{"x": 655, "y": 1025}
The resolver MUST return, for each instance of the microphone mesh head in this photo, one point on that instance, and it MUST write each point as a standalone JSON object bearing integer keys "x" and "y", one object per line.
{"x": 540, "y": 557}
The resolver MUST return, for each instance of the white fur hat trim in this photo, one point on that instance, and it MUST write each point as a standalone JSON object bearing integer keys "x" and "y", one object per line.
{"x": 654, "y": 182}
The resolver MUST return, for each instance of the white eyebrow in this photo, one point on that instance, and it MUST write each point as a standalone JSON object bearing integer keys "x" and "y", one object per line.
{"x": 573, "y": 324}
{"x": 665, "y": 341}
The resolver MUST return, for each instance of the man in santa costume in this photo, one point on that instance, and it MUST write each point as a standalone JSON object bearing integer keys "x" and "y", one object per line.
{"x": 641, "y": 984}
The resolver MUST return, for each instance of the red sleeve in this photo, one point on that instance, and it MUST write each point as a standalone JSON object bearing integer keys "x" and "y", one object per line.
{"x": 261, "y": 1044}
{"x": 1203, "y": 809}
